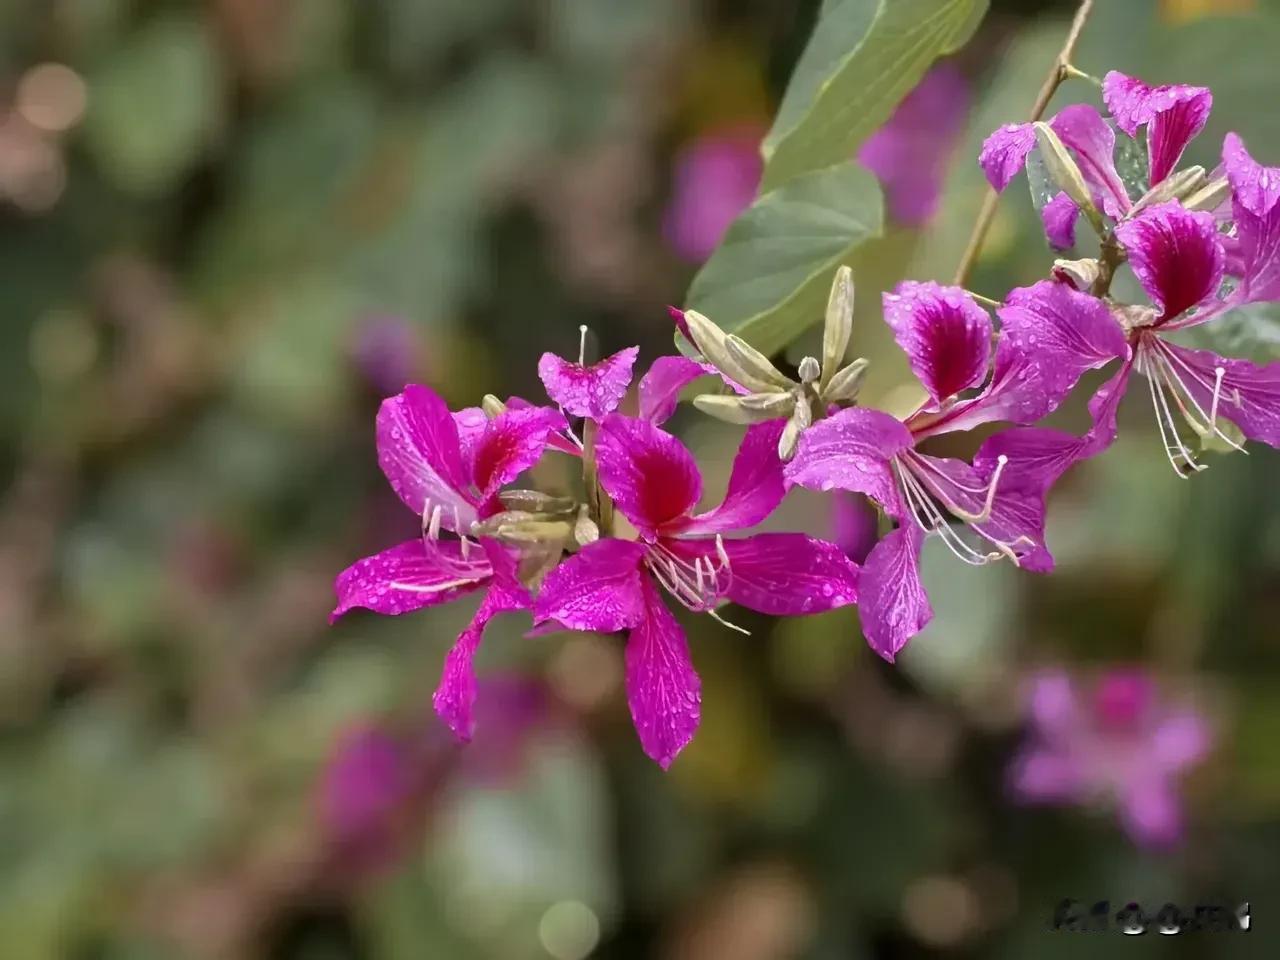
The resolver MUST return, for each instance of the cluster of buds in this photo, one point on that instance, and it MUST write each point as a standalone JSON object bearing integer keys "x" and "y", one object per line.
{"x": 763, "y": 392}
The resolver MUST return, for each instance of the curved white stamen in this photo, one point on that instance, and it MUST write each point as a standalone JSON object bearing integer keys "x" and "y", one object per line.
{"x": 429, "y": 588}
{"x": 929, "y": 519}
{"x": 1175, "y": 448}
{"x": 953, "y": 507}
{"x": 697, "y": 585}
{"x": 433, "y": 525}
{"x": 1209, "y": 422}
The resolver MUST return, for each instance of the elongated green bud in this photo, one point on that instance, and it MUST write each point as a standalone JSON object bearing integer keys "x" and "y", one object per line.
{"x": 839, "y": 323}
{"x": 535, "y": 501}
{"x": 1066, "y": 174}
{"x": 492, "y": 406}
{"x": 1209, "y": 197}
{"x": 1176, "y": 186}
{"x": 753, "y": 408}
{"x": 789, "y": 440}
{"x": 846, "y": 384}
{"x": 761, "y": 374}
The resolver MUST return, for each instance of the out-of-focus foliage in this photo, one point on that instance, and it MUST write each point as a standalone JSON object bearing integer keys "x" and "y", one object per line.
{"x": 228, "y": 227}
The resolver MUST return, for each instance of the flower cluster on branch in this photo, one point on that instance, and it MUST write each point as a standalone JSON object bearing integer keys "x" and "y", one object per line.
{"x": 1199, "y": 242}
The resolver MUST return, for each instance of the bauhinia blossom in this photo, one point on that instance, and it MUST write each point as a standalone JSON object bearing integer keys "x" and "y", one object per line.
{"x": 1050, "y": 335}
{"x": 1115, "y": 743}
{"x": 448, "y": 469}
{"x": 615, "y": 584}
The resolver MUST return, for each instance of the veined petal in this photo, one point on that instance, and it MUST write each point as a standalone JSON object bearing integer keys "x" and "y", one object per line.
{"x": 1004, "y": 153}
{"x": 556, "y": 440}
{"x": 1059, "y": 217}
{"x": 1177, "y": 255}
{"x": 1086, "y": 134}
{"x": 892, "y": 603}
{"x": 1174, "y": 114}
{"x": 512, "y": 442}
{"x": 1050, "y": 335}
{"x": 1253, "y": 186}
{"x": 408, "y": 577}
{"x": 456, "y": 695}
{"x": 470, "y": 422}
{"x": 592, "y": 391}
{"x": 651, "y": 476}
{"x": 1249, "y": 395}
{"x": 598, "y": 588}
{"x": 780, "y": 574}
{"x": 660, "y": 387}
{"x": 419, "y": 451}
{"x": 851, "y": 451}
{"x": 946, "y": 336}
{"x": 663, "y": 689}
{"x": 756, "y": 486}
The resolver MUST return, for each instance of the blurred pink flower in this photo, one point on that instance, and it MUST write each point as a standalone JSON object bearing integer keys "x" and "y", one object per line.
{"x": 715, "y": 179}
{"x": 385, "y": 351}
{"x": 1118, "y": 742}
{"x": 911, "y": 151}
{"x": 362, "y": 794}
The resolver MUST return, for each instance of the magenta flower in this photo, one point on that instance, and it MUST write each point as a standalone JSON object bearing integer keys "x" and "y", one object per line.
{"x": 448, "y": 468}
{"x": 386, "y": 351}
{"x": 588, "y": 391}
{"x": 614, "y": 584}
{"x": 1118, "y": 744}
{"x": 909, "y": 154}
{"x": 362, "y": 795}
{"x": 1050, "y": 335}
{"x": 1173, "y": 116}
{"x": 715, "y": 179}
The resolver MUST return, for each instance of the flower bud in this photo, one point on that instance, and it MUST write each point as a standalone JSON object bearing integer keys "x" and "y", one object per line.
{"x": 534, "y": 501}
{"x": 761, "y": 375}
{"x": 789, "y": 440}
{"x": 753, "y": 408}
{"x": 1066, "y": 174}
{"x": 584, "y": 529}
{"x": 839, "y": 323}
{"x": 1081, "y": 274}
{"x": 1176, "y": 186}
{"x": 809, "y": 370}
{"x": 1210, "y": 196}
{"x": 492, "y": 406}
{"x": 844, "y": 386}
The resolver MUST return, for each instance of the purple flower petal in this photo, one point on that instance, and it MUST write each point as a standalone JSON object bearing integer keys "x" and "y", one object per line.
{"x": 756, "y": 485}
{"x": 1180, "y": 740}
{"x": 851, "y": 451}
{"x": 419, "y": 452}
{"x": 892, "y": 603}
{"x": 1254, "y": 187}
{"x": 408, "y": 577}
{"x": 598, "y": 588}
{"x": 909, "y": 154}
{"x": 1040, "y": 776}
{"x": 663, "y": 689}
{"x": 1086, "y": 134}
{"x": 660, "y": 387}
{"x": 853, "y": 525}
{"x": 1176, "y": 254}
{"x": 592, "y": 391}
{"x": 651, "y": 476}
{"x": 1059, "y": 217}
{"x": 1152, "y": 813}
{"x": 512, "y": 442}
{"x": 1174, "y": 115}
{"x": 780, "y": 574}
{"x": 1004, "y": 153}
{"x": 1050, "y": 335}
{"x": 456, "y": 694}
{"x": 946, "y": 336}
{"x": 715, "y": 180}
{"x": 1250, "y": 393}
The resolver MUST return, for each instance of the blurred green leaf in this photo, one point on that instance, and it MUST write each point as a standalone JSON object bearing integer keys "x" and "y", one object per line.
{"x": 1251, "y": 332}
{"x": 864, "y": 56}
{"x": 156, "y": 105}
{"x": 769, "y": 279}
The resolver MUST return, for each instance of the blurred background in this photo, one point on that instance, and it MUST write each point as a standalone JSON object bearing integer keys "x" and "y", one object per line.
{"x": 229, "y": 227}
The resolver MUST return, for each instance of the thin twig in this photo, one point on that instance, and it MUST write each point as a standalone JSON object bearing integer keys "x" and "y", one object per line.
{"x": 1057, "y": 73}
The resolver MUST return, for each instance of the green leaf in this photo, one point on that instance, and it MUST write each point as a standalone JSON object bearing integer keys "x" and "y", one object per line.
{"x": 864, "y": 56}
{"x": 769, "y": 279}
